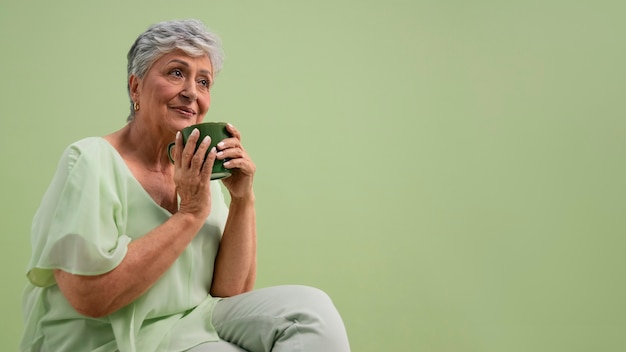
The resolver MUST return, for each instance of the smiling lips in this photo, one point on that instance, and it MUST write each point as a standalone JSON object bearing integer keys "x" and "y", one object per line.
{"x": 185, "y": 110}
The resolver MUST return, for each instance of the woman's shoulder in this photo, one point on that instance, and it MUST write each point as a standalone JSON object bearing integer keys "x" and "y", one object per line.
{"x": 89, "y": 149}
{"x": 88, "y": 144}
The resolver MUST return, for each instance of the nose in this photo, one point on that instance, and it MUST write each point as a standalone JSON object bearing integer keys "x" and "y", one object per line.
{"x": 189, "y": 91}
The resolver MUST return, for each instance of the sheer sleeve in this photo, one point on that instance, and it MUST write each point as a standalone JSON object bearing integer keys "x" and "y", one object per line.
{"x": 78, "y": 227}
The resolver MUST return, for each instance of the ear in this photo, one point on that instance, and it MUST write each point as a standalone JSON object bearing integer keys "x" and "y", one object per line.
{"x": 134, "y": 87}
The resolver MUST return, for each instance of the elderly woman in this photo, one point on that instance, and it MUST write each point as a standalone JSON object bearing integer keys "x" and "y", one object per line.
{"x": 132, "y": 252}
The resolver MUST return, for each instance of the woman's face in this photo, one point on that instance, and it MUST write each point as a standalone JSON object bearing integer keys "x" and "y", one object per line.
{"x": 174, "y": 93}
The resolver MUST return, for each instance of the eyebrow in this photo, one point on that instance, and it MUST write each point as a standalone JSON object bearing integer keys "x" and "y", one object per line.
{"x": 184, "y": 63}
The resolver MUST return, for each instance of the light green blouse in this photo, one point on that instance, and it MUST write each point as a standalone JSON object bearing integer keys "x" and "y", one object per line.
{"x": 92, "y": 210}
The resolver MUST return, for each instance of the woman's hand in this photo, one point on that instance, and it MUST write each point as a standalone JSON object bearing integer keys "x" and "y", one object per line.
{"x": 192, "y": 174}
{"x": 239, "y": 184}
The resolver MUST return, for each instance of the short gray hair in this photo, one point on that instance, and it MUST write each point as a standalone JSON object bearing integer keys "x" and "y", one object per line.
{"x": 190, "y": 36}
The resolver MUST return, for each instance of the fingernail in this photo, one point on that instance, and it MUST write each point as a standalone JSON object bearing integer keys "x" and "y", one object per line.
{"x": 206, "y": 139}
{"x": 178, "y": 135}
{"x": 195, "y": 131}
{"x": 213, "y": 150}
{"x": 220, "y": 144}
{"x": 219, "y": 154}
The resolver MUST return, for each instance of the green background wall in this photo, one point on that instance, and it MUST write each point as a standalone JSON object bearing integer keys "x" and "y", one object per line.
{"x": 450, "y": 172}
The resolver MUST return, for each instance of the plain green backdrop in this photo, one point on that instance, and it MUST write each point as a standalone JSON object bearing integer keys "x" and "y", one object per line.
{"x": 450, "y": 172}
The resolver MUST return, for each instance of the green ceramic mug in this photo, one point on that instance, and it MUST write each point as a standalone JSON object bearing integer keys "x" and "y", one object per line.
{"x": 217, "y": 131}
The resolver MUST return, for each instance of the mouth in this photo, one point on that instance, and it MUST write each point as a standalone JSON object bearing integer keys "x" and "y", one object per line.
{"x": 183, "y": 110}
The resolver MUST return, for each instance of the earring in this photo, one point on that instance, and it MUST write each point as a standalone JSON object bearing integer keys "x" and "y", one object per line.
{"x": 135, "y": 106}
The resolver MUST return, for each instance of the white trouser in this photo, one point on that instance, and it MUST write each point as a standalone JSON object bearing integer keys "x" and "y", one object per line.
{"x": 278, "y": 319}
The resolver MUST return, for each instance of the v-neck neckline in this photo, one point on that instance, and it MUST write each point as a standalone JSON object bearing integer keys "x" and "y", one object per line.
{"x": 121, "y": 160}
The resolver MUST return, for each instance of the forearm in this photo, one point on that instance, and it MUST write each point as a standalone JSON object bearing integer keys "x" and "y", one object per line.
{"x": 147, "y": 259}
{"x": 235, "y": 264}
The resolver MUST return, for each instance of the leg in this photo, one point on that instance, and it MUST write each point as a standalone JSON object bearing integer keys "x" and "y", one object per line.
{"x": 281, "y": 319}
{"x": 218, "y": 346}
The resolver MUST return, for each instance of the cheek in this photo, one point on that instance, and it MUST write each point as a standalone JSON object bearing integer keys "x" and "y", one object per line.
{"x": 165, "y": 92}
{"x": 204, "y": 103}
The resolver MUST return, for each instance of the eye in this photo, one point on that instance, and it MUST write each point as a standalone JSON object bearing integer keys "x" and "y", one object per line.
{"x": 176, "y": 72}
{"x": 204, "y": 82}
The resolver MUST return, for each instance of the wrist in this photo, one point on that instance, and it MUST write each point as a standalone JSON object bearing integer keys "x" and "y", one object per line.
{"x": 247, "y": 198}
{"x": 188, "y": 219}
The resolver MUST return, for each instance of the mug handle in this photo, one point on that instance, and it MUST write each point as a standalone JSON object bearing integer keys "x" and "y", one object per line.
{"x": 169, "y": 151}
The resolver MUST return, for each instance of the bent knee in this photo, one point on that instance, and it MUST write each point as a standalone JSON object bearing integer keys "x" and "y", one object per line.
{"x": 311, "y": 302}
{"x": 308, "y": 295}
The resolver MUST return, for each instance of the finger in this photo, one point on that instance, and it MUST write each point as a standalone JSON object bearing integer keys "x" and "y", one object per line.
{"x": 178, "y": 149}
{"x": 244, "y": 165}
{"x": 190, "y": 148}
{"x": 233, "y": 131}
{"x": 231, "y": 153}
{"x": 208, "y": 164}
{"x": 201, "y": 152}
{"x": 229, "y": 143}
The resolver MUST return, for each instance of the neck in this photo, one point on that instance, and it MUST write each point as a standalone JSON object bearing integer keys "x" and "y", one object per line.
{"x": 137, "y": 143}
